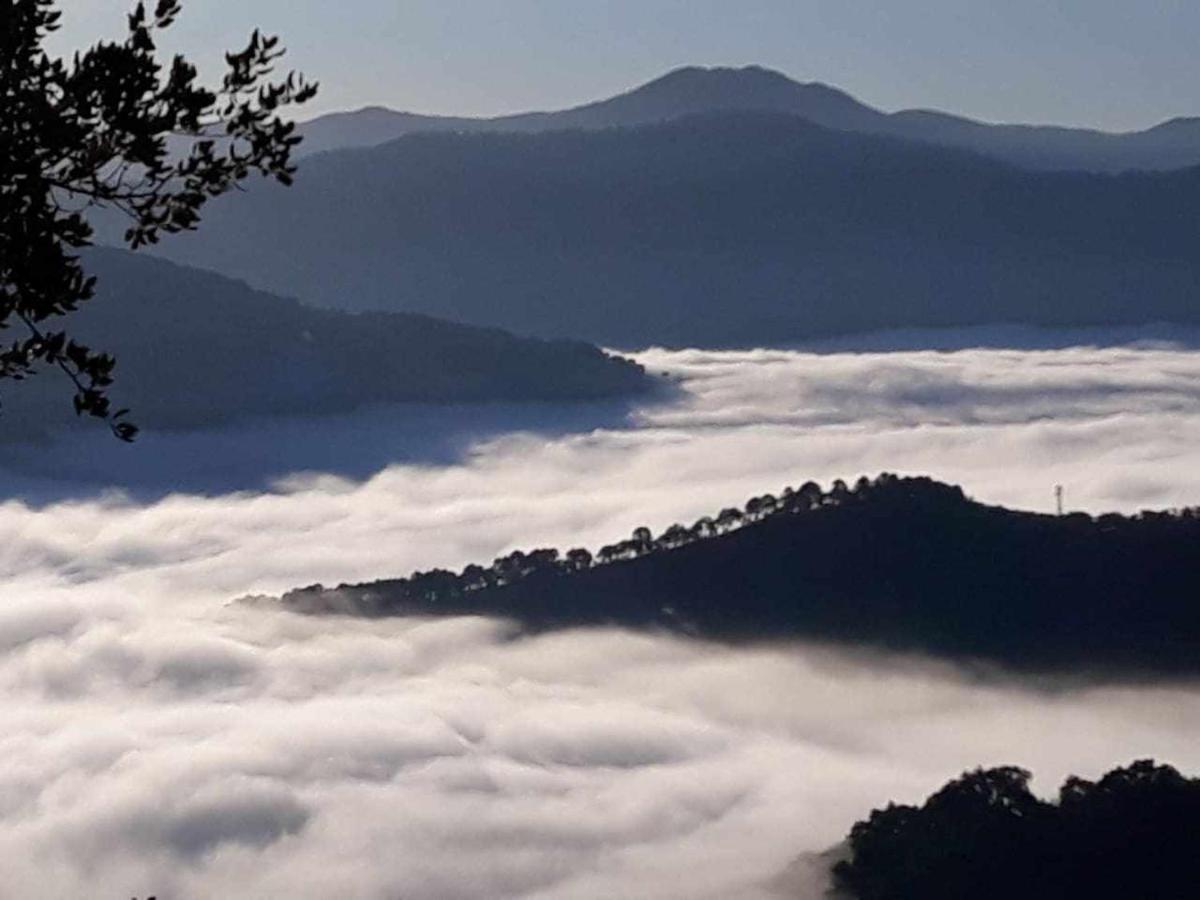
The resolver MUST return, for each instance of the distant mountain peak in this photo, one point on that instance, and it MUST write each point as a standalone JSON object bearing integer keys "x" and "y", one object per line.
{"x": 699, "y": 89}
{"x": 760, "y": 75}
{"x": 739, "y": 83}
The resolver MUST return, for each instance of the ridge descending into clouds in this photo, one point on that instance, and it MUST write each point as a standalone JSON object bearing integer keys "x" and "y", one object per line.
{"x": 158, "y": 739}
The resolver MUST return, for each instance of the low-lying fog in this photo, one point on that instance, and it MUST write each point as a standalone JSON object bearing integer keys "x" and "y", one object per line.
{"x": 157, "y": 739}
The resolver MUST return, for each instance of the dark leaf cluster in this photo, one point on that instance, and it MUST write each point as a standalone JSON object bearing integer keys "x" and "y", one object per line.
{"x": 117, "y": 127}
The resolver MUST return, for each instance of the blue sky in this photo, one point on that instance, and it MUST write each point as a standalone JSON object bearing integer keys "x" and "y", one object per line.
{"x": 1114, "y": 64}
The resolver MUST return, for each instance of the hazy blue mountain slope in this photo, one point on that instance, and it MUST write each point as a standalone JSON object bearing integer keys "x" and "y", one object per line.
{"x": 691, "y": 90}
{"x": 370, "y": 126}
{"x": 723, "y": 229}
{"x": 1170, "y": 145}
{"x": 682, "y": 92}
{"x": 195, "y": 348}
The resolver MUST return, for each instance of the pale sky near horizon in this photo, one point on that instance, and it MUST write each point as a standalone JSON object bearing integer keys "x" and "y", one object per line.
{"x": 1113, "y": 64}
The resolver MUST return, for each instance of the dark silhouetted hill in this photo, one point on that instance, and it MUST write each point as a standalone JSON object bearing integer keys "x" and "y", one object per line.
{"x": 902, "y": 563}
{"x": 692, "y": 90}
{"x": 986, "y": 836}
{"x": 196, "y": 349}
{"x": 728, "y": 229}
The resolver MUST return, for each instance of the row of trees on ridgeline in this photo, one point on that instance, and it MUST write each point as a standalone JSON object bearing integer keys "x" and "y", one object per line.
{"x": 443, "y": 585}
{"x": 440, "y": 585}
{"x": 903, "y": 563}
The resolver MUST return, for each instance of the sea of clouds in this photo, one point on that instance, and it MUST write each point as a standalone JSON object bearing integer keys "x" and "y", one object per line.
{"x": 159, "y": 738}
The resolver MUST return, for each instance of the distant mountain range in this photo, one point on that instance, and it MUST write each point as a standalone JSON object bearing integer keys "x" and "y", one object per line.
{"x": 902, "y": 563}
{"x": 693, "y": 90}
{"x": 196, "y": 349}
{"x": 719, "y": 229}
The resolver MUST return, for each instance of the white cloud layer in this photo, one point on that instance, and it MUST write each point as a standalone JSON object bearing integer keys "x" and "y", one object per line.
{"x": 157, "y": 739}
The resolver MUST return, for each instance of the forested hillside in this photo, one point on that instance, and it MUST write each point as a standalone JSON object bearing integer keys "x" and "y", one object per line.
{"x": 904, "y": 563}
{"x": 196, "y": 349}
{"x": 727, "y": 229}
{"x": 987, "y": 836}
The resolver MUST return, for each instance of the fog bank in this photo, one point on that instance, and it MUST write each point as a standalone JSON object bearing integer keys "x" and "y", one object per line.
{"x": 158, "y": 739}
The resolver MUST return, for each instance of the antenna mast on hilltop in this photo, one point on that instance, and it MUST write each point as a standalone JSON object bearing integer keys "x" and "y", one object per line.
{"x": 1058, "y": 496}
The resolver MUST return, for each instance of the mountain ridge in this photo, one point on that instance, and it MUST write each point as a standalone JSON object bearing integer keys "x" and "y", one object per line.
{"x": 1174, "y": 143}
{"x": 722, "y": 229}
{"x": 908, "y": 564}
{"x": 195, "y": 348}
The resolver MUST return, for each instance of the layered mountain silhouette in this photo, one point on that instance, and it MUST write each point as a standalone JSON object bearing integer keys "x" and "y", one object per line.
{"x": 692, "y": 90}
{"x": 719, "y": 229}
{"x": 196, "y": 349}
{"x": 904, "y": 563}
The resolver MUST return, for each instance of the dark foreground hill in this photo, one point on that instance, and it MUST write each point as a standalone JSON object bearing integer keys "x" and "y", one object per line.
{"x": 986, "y": 836}
{"x": 904, "y": 563}
{"x": 195, "y": 349}
{"x": 728, "y": 229}
{"x": 691, "y": 90}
